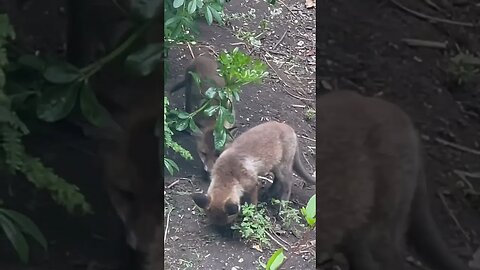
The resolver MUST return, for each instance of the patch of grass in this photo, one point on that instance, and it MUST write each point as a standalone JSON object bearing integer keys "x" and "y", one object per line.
{"x": 289, "y": 215}
{"x": 464, "y": 67}
{"x": 255, "y": 224}
{"x": 310, "y": 113}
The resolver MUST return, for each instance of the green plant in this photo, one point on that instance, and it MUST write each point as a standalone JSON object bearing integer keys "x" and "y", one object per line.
{"x": 255, "y": 224}
{"x": 290, "y": 216}
{"x": 310, "y": 113}
{"x": 275, "y": 261}
{"x": 15, "y": 226}
{"x": 309, "y": 212}
{"x": 464, "y": 67}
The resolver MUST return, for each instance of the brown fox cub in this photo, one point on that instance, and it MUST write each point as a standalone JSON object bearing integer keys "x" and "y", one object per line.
{"x": 371, "y": 185}
{"x": 268, "y": 147}
{"x": 206, "y": 68}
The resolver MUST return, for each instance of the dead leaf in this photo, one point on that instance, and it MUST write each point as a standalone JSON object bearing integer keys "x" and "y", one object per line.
{"x": 310, "y": 3}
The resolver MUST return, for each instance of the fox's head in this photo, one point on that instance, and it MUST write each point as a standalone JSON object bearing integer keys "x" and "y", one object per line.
{"x": 218, "y": 213}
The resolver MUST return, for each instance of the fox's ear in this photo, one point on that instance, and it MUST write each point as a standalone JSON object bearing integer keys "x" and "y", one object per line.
{"x": 232, "y": 208}
{"x": 201, "y": 200}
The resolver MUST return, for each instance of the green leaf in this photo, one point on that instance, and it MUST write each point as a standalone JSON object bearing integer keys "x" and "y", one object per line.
{"x": 56, "y": 102}
{"x": 178, "y": 3}
{"x": 193, "y": 126}
{"x": 61, "y": 73}
{"x": 311, "y": 206}
{"x": 211, "y": 110}
{"x": 211, "y": 92}
{"x": 26, "y": 225}
{"x": 182, "y": 125}
{"x": 170, "y": 165}
{"x": 32, "y": 61}
{"x": 216, "y": 15}
{"x": 276, "y": 260}
{"x": 220, "y": 137}
{"x": 192, "y": 6}
{"x": 91, "y": 108}
{"x": 208, "y": 15}
{"x": 146, "y": 9}
{"x": 183, "y": 115}
{"x": 16, "y": 238}
{"x": 144, "y": 61}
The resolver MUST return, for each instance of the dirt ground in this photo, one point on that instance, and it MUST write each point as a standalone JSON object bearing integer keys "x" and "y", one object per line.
{"x": 360, "y": 48}
{"x": 191, "y": 242}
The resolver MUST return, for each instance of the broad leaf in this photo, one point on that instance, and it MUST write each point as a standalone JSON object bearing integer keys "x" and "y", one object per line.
{"x": 144, "y": 61}
{"x": 91, "y": 108}
{"x": 16, "y": 238}
{"x": 26, "y": 225}
{"x": 276, "y": 260}
{"x": 32, "y": 61}
{"x": 61, "y": 73}
{"x": 56, "y": 102}
{"x": 178, "y": 3}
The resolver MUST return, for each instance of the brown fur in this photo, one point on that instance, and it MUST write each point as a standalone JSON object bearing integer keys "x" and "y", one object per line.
{"x": 206, "y": 68}
{"x": 371, "y": 186}
{"x": 270, "y": 146}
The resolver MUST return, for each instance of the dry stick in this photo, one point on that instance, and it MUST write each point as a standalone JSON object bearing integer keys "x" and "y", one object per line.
{"x": 307, "y": 138}
{"x": 191, "y": 51}
{"x": 452, "y": 215}
{"x": 425, "y": 43}
{"x": 281, "y": 2}
{"x": 430, "y": 18}
{"x": 276, "y": 241}
{"x": 265, "y": 178}
{"x": 173, "y": 184}
{"x": 166, "y": 228}
{"x": 276, "y": 44}
{"x": 458, "y": 147}
{"x": 283, "y": 240}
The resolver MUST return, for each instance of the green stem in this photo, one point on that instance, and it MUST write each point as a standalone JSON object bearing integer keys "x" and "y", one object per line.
{"x": 95, "y": 67}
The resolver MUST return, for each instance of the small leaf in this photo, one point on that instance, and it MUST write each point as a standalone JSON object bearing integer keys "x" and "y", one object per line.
{"x": 193, "y": 126}
{"x": 146, "y": 9}
{"x": 32, "y": 61}
{"x": 183, "y": 115}
{"x": 211, "y": 92}
{"x": 16, "y": 238}
{"x": 170, "y": 165}
{"x": 182, "y": 125}
{"x": 56, "y": 102}
{"x": 311, "y": 206}
{"x": 216, "y": 15}
{"x": 26, "y": 225}
{"x": 61, "y": 73}
{"x": 192, "y": 6}
{"x": 92, "y": 110}
{"x": 208, "y": 15}
{"x": 144, "y": 61}
{"x": 220, "y": 138}
{"x": 211, "y": 110}
{"x": 276, "y": 260}
{"x": 178, "y": 3}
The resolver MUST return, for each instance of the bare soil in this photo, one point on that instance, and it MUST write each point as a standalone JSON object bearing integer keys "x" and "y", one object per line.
{"x": 360, "y": 48}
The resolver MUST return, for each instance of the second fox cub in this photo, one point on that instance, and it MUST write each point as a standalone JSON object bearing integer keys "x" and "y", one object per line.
{"x": 268, "y": 147}
{"x": 206, "y": 69}
{"x": 371, "y": 186}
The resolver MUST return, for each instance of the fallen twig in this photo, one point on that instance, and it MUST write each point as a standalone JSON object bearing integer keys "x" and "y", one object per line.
{"x": 298, "y": 97}
{"x": 453, "y": 217}
{"x": 276, "y": 241}
{"x": 458, "y": 147}
{"x": 191, "y": 51}
{"x": 307, "y": 138}
{"x": 425, "y": 43}
{"x": 168, "y": 223}
{"x": 265, "y": 178}
{"x": 430, "y": 18}
{"x": 281, "y": 2}
{"x": 280, "y": 40}
{"x": 173, "y": 184}
{"x": 299, "y": 106}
